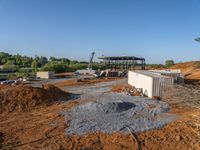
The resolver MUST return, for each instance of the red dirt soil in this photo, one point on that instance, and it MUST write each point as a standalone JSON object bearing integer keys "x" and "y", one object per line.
{"x": 25, "y": 98}
{"x": 190, "y": 69}
{"x": 43, "y": 128}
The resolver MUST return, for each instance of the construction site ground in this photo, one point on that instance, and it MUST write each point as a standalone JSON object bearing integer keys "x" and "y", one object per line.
{"x": 45, "y": 127}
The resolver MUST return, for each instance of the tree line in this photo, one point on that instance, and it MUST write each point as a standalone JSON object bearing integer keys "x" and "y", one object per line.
{"x": 25, "y": 64}
{"x": 20, "y": 63}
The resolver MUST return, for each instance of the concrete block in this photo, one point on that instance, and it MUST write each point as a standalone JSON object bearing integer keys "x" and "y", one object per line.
{"x": 45, "y": 74}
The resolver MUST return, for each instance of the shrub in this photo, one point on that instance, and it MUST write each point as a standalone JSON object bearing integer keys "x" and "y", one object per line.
{"x": 169, "y": 63}
{"x": 55, "y": 66}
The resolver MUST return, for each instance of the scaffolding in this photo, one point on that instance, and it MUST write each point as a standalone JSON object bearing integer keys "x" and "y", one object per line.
{"x": 123, "y": 62}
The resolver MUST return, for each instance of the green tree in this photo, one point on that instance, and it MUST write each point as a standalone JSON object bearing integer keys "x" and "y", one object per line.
{"x": 18, "y": 59}
{"x": 56, "y": 66}
{"x": 9, "y": 65}
{"x": 26, "y": 61}
{"x": 41, "y": 61}
{"x": 65, "y": 60}
{"x": 34, "y": 66}
{"x": 4, "y": 57}
{"x": 197, "y": 39}
{"x": 74, "y": 62}
{"x": 53, "y": 58}
{"x": 169, "y": 63}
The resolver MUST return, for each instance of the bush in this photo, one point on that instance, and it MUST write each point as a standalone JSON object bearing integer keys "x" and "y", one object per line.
{"x": 74, "y": 67}
{"x": 22, "y": 73}
{"x": 155, "y": 66}
{"x": 55, "y": 66}
{"x": 9, "y": 66}
{"x": 169, "y": 63}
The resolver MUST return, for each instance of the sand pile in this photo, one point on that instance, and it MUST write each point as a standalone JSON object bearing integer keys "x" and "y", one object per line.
{"x": 24, "y": 98}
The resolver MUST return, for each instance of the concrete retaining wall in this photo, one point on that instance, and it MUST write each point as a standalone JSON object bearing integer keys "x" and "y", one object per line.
{"x": 152, "y": 85}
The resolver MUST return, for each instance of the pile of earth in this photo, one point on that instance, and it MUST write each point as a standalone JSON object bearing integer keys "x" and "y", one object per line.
{"x": 24, "y": 98}
{"x": 117, "y": 112}
{"x": 190, "y": 69}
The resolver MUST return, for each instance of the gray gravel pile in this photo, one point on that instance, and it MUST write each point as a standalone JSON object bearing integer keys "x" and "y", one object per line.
{"x": 115, "y": 112}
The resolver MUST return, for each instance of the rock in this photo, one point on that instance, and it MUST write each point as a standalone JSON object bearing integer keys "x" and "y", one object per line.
{"x": 178, "y": 138}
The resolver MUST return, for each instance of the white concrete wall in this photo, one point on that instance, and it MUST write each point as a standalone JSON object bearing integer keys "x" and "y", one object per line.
{"x": 141, "y": 81}
{"x": 152, "y": 84}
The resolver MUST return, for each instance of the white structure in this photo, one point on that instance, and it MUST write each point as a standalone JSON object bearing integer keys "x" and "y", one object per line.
{"x": 45, "y": 74}
{"x": 152, "y": 85}
{"x": 173, "y": 73}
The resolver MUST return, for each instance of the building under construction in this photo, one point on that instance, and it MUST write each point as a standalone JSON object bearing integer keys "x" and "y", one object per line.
{"x": 123, "y": 62}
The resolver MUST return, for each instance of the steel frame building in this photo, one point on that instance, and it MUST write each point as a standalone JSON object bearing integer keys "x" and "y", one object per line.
{"x": 123, "y": 62}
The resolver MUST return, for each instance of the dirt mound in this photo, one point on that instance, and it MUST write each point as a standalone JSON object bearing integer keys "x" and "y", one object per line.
{"x": 190, "y": 69}
{"x": 24, "y": 98}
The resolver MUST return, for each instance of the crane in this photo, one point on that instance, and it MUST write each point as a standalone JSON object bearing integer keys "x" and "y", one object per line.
{"x": 90, "y": 61}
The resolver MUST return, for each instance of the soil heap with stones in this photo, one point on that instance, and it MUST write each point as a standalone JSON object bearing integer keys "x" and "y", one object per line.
{"x": 25, "y": 98}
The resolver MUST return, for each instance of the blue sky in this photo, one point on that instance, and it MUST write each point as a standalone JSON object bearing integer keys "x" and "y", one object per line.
{"x": 154, "y": 29}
